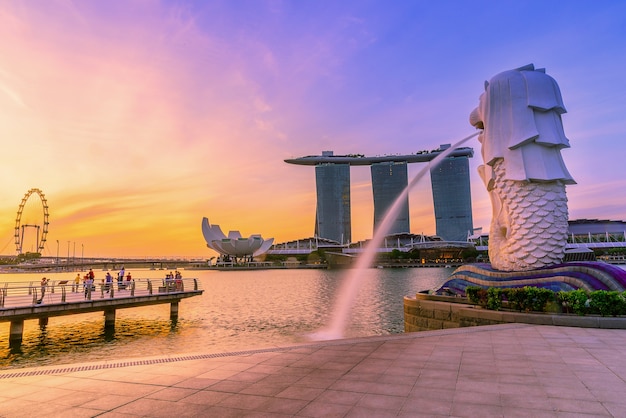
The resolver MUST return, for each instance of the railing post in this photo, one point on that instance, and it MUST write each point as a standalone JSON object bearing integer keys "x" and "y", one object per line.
{"x": 195, "y": 284}
{"x": 62, "y": 293}
{"x": 34, "y": 293}
{"x": 112, "y": 290}
{"x": 132, "y": 288}
{"x": 149, "y": 287}
{"x": 30, "y": 288}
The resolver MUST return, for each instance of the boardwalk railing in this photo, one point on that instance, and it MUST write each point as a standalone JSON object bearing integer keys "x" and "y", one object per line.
{"x": 20, "y": 294}
{"x": 25, "y": 301}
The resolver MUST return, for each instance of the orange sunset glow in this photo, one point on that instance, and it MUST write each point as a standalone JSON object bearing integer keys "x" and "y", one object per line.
{"x": 137, "y": 119}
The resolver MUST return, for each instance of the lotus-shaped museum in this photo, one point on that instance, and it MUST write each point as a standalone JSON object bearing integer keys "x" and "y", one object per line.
{"x": 234, "y": 244}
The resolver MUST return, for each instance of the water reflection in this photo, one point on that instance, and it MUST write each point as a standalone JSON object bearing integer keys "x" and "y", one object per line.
{"x": 238, "y": 310}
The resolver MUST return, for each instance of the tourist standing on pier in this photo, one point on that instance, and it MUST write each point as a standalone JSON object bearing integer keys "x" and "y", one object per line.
{"x": 76, "y": 284}
{"x": 44, "y": 285}
{"x": 88, "y": 285}
{"x": 109, "y": 282}
{"x": 120, "y": 279}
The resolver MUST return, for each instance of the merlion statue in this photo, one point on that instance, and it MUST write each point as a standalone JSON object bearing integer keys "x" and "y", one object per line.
{"x": 520, "y": 115}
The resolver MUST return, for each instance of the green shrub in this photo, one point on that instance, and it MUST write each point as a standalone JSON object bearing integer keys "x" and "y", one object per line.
{"x": 607, "y": 303}
{"x": 536, "y": 299}
{"x": 516, "y": 298}
{"x": 494, "y": 298}
{"x": 477, "y": 295}
{"x": 528, "y": 298}
{"x": 579, "y": 300}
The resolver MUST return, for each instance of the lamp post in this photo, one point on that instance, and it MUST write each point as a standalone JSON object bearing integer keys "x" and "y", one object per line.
{"x": 57, "y": 254}
{"x": 82, "y": 257}
{"x": 68, "y": 255}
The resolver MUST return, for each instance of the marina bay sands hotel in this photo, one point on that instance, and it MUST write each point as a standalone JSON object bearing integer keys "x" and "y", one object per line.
{"x": 449, "y": 180}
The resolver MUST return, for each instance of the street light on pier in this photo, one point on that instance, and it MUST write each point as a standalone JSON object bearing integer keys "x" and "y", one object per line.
{"x": 82, "y": 257}
{"x": 57, "y": 254}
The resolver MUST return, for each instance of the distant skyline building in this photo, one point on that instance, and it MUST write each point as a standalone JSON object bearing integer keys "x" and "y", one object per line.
{"x": 332, "y": 215}
{"x": 389, "y": 179}
{"x": 452, "y": 198}
{"x": 450, "y": 181}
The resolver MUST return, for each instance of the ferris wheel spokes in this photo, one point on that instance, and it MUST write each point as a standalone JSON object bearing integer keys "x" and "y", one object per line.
{"x": 19, "y": 228}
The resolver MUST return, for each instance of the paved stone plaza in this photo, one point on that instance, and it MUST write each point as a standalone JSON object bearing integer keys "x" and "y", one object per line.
{"x": 511, "y": 370}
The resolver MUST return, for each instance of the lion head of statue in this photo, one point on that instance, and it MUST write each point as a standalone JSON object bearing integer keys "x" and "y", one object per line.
{"x": 520, "y": 115}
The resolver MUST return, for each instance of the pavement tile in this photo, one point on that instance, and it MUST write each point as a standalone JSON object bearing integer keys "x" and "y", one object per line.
{"x": 324, "y": 409}
{"x": 207, "y": 397}
{"x": 340, "y": 397}
{"x": 510, "y": 401}
{"x": 378, "y": 402}
{"x": 362, "y": 376}
{"x": 243, "y": 401}
{"x": 217, "y": 374}
{"x": 171, "y": 393}
{"x": 428, "y": 406}
{"x": 284, "y": 406}
{"x": 300, "y": 392}
{"x": 281, "y": 379}
{"x": 578, "y": 406}
{"x": 248, "y": 377}
{"x": 264, "y": 389}
{"x": 510, "y": 371}
{"x": 229, "y": 386}
{"x": 364, "y": 412}
{"x": 470, "y": 410}
{"x": 615, "y": 409}
{"x": 148, "y": 407}
{"x": 196, "y": 383}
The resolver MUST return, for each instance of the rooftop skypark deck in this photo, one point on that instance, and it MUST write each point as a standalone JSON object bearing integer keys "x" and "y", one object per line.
{"x": 359, "y": 159}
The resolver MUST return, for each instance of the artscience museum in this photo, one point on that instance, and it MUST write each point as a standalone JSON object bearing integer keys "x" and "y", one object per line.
{"x": 234, "y": 245}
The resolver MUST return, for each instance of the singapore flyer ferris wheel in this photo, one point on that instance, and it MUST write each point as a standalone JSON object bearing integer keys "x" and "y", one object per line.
{"x": 41, "y": 229}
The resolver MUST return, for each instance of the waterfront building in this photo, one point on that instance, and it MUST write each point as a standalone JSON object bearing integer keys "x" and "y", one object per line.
{"x": 452, "y": 198}
{"x": 389, "y": 179}
{"x": 332, "y": 215}
{"x": 451, "y": 191}
{"x": 234, "y": 245}
{"x": 595, "y": 234}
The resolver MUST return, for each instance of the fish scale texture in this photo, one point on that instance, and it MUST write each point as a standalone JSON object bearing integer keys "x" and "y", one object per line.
{"x": 529, "y": 226}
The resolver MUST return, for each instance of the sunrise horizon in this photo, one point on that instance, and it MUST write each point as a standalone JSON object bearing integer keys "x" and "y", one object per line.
{"x": 137, "y": 119}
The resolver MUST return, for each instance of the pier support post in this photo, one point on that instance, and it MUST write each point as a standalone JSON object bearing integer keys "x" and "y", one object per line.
{"x": 174, "y": 311}
{"x": 43, "y": 322}
{"x": 109, "y": 318}
{"x": 15, "y": 333}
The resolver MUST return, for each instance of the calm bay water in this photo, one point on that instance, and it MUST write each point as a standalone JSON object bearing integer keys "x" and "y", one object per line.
{"x": 238, "y": 311}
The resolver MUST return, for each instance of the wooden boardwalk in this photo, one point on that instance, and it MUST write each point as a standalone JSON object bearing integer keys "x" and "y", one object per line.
{"x": 24, "y": 301}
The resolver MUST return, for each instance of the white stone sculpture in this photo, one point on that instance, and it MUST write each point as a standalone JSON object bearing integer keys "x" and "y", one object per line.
{"x": 234, "y": 245}
{"x": 520, "y": 115}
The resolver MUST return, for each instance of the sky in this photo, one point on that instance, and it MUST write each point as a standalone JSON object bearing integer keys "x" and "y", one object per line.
{"x": 138, "y": 118}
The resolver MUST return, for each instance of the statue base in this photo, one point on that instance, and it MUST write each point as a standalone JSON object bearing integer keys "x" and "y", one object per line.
{"x": 589, "y": 275}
